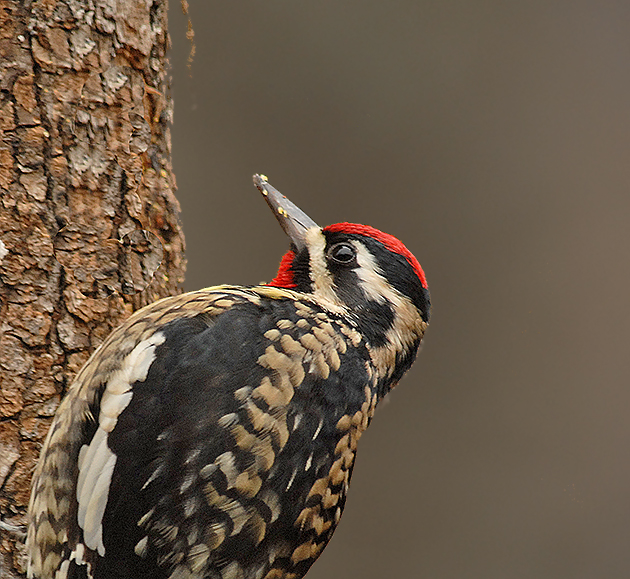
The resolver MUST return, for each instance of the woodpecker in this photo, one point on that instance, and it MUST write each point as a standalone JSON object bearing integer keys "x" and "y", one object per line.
{"x": 213, "y": 434}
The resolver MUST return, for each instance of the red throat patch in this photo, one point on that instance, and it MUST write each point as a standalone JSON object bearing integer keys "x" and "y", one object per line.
{"x": 284, "y": 277}
{"x": 389, "y": 241}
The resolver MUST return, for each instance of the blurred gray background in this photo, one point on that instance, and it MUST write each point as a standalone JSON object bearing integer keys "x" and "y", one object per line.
{"x": 493, "y": 138}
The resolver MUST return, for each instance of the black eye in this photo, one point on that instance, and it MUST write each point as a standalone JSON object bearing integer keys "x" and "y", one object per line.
{"x": 342, "y": 253}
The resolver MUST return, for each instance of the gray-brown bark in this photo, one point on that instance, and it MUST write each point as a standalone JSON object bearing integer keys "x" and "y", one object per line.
{"x": 86, "y": 205}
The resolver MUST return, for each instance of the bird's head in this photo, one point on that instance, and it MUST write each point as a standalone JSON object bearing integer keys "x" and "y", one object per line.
{"x": 366, "y": 274}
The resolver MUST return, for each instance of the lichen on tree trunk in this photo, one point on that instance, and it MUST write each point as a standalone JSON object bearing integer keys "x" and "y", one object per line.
{"x": 87, "y": 211}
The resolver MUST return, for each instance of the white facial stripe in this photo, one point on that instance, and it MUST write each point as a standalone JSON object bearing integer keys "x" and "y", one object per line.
{"x": 374, "y": 285}
{"x": 322, "y": 279}
{"x": 96, "y": 460}
{"x": 408, "y": 324}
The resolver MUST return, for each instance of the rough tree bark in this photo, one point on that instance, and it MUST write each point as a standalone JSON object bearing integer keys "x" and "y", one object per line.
{"x": 87, "y": 211}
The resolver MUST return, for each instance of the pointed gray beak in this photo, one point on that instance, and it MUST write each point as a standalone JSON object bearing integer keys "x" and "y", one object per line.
{"x": 291, "y": 218}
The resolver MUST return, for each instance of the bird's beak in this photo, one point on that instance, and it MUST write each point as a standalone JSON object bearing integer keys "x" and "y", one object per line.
{"x": 291, "y": 218}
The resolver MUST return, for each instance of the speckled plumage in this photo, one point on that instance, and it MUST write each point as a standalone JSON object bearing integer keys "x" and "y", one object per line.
{"x": 214, "y": 433}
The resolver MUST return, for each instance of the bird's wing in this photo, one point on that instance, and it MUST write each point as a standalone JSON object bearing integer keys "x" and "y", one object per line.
{"x": 170, "y": 432}
{"x": 70, "y": 484}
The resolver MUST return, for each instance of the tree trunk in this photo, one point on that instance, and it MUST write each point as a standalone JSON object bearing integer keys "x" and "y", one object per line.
{"x": 89, "y": 225}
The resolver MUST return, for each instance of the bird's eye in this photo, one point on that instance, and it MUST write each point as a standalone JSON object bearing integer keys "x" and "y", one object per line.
{"x": 342, "y": 253}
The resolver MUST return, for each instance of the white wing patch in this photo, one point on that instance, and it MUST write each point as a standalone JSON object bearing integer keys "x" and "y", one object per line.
{"x": 62, "y": 572}
{"x": 96, "y": 460}
{"x": 96, "y": 466}
{"x": 77, "y": 556}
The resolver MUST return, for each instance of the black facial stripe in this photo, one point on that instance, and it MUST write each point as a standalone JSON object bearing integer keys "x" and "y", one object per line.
{"x": 374, "y": 320}
{"x": 300, "y": 267}
{"x": 401, "y": 276}
{"x": 395, "y": 268}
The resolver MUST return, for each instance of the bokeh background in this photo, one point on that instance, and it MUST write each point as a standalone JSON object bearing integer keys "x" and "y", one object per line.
{"x": 493, "y": 138}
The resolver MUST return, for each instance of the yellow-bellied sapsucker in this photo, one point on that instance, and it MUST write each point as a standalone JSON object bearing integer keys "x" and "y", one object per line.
{"x": 213, "y": 434}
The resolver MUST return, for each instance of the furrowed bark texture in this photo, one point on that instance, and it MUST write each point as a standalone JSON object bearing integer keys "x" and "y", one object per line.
{"x": 89, "y": 225}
